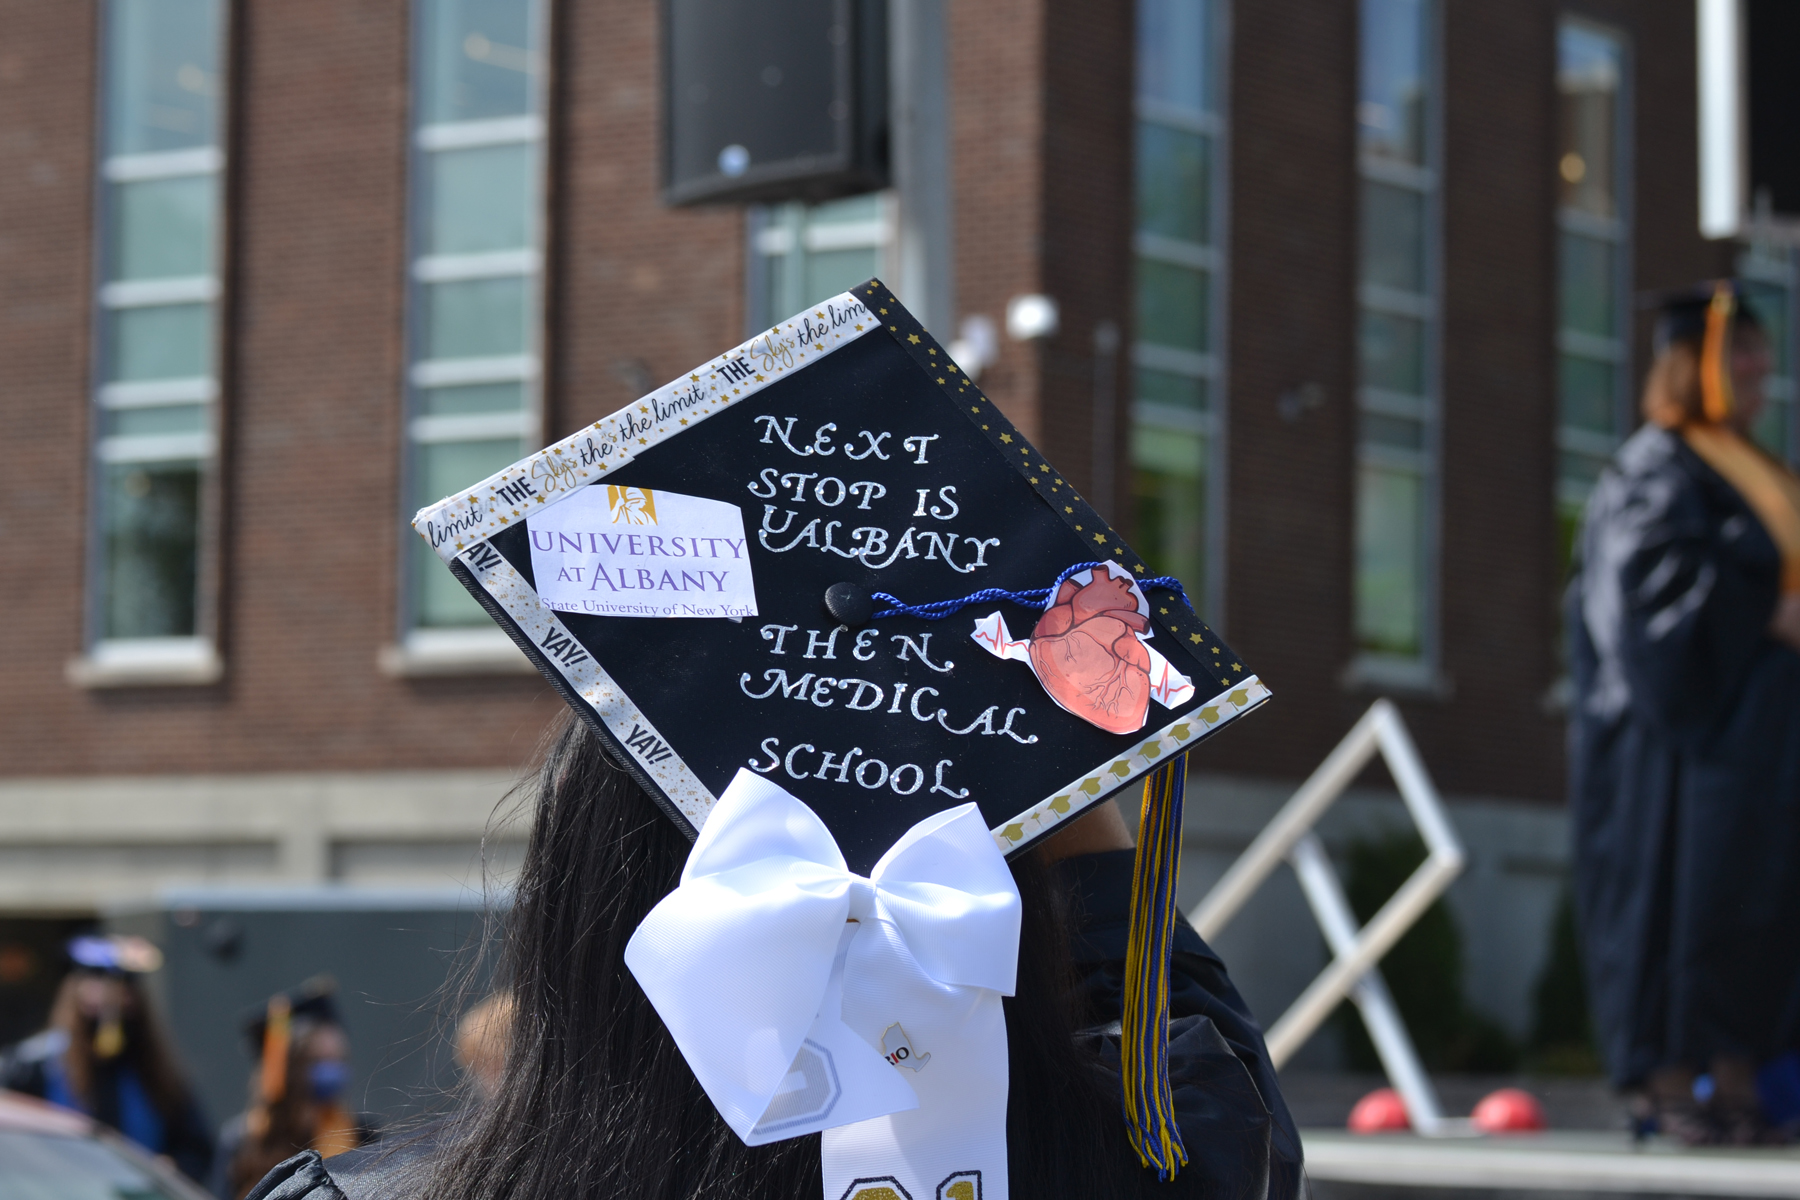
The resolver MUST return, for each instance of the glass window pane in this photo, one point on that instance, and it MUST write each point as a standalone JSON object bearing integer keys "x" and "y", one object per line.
{"x": 154, "y": 422}
{"x": 480, "y": 199}
{"x": 1402, "y": 433}
{"x": 475, "y": 318}
{"x": 478, "y": 59}
{"x": 1172, "y": 390}
{"x": 1589, "y": 285}
{"x": 443, "y": 467}
{"x": 1588, "y": 79}
{"x": 1772, "y": 308}
{"x": 1175, "y": 53}
{"x": 1173, "y": 305}
{"x": 162, "y": 74}
{"x": 1771, "y": 430}
{"x": 1577, "y": 474}
{"x": 151, "y": 543}
{"x": 1393, "y": 237}
{"x": 779, "y": 301}
{"x": 1174, "y": 183}
{"x": 1169, "y": 486}
{"x": 1392, "y": 110}
{"x": 829, "y": 272}
{"x": 163, "y": 228}
{"x": 1392, "y": 352}
{"x": 165, "y": 341}
{"x": 851, "y": 209}
{"x": 1589, "y": 392}
{"x": 473, "y": 398}
{"x": 1390, "y": 555}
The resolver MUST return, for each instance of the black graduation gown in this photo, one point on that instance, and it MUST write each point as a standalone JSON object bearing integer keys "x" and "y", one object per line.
{"x": 1684, "y": 768}
{"x": 1239, "y": 1138}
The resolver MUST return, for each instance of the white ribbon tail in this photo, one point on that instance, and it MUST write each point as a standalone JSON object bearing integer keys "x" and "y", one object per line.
{"x": 805, "y": 997}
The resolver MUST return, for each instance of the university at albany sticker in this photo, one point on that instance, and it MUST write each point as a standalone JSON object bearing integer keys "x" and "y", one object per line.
{"x": 617, "y": 551}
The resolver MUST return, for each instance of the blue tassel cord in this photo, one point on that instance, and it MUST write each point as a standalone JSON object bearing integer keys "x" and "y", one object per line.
{"x": 1144, "y": 1044}
{"x": 1040, "y": 598}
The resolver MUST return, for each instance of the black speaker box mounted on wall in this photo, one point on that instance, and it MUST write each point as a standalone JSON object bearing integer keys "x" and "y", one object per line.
{"x": 771, "y": 100}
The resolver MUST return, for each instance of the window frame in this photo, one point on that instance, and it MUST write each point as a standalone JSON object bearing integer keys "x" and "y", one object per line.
{"x": 765, "y": 223}
{"x": 1213, "y": 366}
{"x": 1620, "y": 234}
{"x": 423, "y": 650}
{"x": 1423, "y": 673}
{"x": 175, "y": 660}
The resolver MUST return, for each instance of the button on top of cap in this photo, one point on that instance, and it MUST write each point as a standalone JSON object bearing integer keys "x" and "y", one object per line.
{"x": 849, "y": 604}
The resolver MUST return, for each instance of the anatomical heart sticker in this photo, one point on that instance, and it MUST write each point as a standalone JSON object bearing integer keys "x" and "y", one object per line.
{"x": 1091, "y": 651}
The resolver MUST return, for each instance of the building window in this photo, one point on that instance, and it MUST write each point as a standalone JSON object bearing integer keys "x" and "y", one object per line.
{"x": 1770, "y": 275}
{"x": 1177, "y": 381}
{"x": 156, "y": 381}
{"x": 1594, "y": 395}
{"x": 800, "y": 254}
{"x": 1398, "y": 287}
{"x": 474, "y": 283}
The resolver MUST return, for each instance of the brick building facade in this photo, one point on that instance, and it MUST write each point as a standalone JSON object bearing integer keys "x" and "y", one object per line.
{"x": 326, "y": 737}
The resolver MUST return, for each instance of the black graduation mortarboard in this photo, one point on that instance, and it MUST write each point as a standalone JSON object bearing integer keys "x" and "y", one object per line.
{"x": 1681, "y": 312}
{"x": 313, "y": 1000}
{"x": 798, "y": 506}
{"x": 124, "y": 954}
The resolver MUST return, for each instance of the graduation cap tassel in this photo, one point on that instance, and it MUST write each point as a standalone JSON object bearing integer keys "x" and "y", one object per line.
{"x": 1715, "y": 355}
{"x": 1144, "y": 1052}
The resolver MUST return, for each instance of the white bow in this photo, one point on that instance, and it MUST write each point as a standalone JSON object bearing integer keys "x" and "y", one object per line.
{"x": 805, "y": 997}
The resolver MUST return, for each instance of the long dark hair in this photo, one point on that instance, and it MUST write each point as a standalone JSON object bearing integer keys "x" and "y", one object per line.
{"x": 146, "y": 1048}
{"x": 597, "y": 1101}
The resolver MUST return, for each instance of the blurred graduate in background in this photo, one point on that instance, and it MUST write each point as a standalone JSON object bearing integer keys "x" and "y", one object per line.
{"x": 105, "y": 1054}
{"x": 1684, "y": 621}
{"x": 296, "y": 1091}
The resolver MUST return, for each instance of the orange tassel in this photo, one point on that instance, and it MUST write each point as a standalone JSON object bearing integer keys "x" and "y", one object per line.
{"x": 1715, "y": 356}
{"x": 276, "y": 1038}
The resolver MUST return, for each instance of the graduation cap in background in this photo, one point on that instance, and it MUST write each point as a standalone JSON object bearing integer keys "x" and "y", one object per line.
{"x": 827, "y": 557}
{"x": 314, "y": 1000}
{"x": 1681, "y": 313}
{"x": 1707, "y": 314}
{"x": 269, "y": 1034}
{"x": 124, "y": 954}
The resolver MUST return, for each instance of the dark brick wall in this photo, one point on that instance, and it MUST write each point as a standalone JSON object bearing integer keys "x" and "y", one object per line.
{"x": 46, "y": 115}
{"x": 997, "y": 103}
{"x": 1086, "y": 246}
{"x": 1291, "y": 288}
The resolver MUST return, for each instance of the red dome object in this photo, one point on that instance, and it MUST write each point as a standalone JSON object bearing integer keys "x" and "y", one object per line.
{"x": 1509, "y": 1110}
{"x": 1381, "y": 1111}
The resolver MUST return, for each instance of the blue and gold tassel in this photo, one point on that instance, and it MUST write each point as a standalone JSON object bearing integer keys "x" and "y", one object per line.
{"x": 1144, "y": 1049}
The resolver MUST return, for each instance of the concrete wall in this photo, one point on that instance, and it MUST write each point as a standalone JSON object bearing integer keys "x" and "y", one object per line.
{"x": 75, "y": 845}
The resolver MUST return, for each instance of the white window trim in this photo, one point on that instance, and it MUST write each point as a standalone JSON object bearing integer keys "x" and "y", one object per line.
{"x": 425, "y": 653}
{"x": 147, "y": 662}
{"x": 468, "y": 135}
{"x": 158, "y": 393}
{"x": 166, "y": 164}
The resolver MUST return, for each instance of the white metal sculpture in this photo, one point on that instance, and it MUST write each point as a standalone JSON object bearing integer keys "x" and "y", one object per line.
{"x": 1355, "y": 951}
